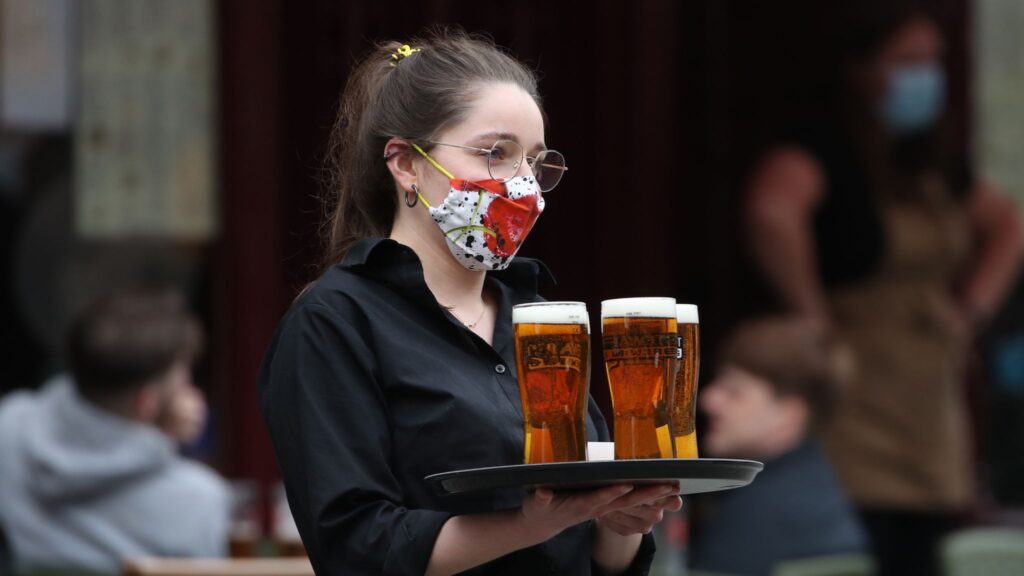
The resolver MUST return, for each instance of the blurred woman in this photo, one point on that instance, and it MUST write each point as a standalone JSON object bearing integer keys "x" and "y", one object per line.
{"x": 398, "y": 362}
{"x": 870, "y": 224}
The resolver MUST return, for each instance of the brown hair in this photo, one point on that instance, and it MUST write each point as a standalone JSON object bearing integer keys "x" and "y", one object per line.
{"x": 126, "y": 339}
{"x": 413, "y": 98}
{"x": 796, "y": 356}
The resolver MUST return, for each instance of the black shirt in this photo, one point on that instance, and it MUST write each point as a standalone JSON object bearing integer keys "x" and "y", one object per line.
{"x": 369, "y": 385}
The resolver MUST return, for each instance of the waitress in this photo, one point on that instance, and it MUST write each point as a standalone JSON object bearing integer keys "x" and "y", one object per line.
{"x": 398, "y": 362}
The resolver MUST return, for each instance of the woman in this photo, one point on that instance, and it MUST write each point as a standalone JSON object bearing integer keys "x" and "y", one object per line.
{"x": 869, "y": 225}
{"x": 398, "y": 362}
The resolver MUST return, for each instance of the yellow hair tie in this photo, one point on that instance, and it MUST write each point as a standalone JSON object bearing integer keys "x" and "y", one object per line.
{"x": 404, "y": 52}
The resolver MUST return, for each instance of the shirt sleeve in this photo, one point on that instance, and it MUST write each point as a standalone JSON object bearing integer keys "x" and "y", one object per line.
{"x": 329, "y": 424}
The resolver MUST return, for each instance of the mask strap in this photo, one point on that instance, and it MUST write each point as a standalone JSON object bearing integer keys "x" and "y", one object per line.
{"x": 432, "y": 161}
{"x": 421, "y": 197}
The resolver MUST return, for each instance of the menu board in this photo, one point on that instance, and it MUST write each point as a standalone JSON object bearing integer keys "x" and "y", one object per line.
{"x": 145, "y": 125}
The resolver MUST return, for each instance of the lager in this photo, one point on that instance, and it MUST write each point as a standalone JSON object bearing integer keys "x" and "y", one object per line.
{"x": 552, "y": 341}
{"x": 684, "y": 406}
{"x": 641, "y": 345}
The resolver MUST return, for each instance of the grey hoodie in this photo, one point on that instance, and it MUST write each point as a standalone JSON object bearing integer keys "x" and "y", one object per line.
{"x": 82, "y": 487}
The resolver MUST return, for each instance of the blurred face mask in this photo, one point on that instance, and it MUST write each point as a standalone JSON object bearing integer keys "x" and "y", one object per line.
{"x": 915, "y": 97}
{"x": 486, "y": 221}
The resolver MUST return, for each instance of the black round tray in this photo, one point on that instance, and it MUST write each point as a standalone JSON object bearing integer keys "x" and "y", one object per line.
{"x": 695, "y": 475}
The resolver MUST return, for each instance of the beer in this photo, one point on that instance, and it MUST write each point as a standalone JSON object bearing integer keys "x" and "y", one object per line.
{"x": 552, "y": 341}
{"x": 640, "y": 348}
{"x": 684, "y": 407}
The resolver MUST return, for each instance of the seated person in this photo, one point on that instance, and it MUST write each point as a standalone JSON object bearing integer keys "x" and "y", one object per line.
{"x": 89, "y": 468}
{"x": 777, "y": 383}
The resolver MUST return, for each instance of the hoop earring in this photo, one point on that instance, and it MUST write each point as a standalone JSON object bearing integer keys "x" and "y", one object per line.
{"x": 415, "y": 196}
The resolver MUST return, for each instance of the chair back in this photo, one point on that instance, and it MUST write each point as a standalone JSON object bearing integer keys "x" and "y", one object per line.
{"x": 219, "y": 567}
{"x": 984, "y": 551}
{"x": 834, "y": 565}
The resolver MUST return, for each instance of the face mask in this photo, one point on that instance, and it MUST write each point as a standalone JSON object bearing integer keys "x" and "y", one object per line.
{"x": 485, "y": 221}
{"x": 914, "y": 98}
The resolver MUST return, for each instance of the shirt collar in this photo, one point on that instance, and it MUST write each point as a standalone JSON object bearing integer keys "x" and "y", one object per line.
{"x": 390, "y": 260}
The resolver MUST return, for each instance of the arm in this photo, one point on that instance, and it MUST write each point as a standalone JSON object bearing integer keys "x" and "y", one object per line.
{"x": 471, "y": 540}
{"x": 784, "y": 191}
{"x": 329, "y": 424}
{"x": 618, "y": 536}
{"x": 996, "y": 225}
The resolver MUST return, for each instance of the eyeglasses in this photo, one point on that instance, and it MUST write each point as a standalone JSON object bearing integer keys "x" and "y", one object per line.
{"x": 506, "y": 157}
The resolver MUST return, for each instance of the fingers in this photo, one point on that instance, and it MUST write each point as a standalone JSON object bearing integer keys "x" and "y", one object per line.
{"x": 625, "y": 524}
{"x": 640, "y": 519}
{"x": 672, "y": 503}
{"x": 639, "y": 496}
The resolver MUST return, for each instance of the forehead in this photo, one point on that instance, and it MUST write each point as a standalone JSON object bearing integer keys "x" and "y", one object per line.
{"x": 741, "y": 380}
{"x": 919, "y": 38}
{"x": 500, "y": 108}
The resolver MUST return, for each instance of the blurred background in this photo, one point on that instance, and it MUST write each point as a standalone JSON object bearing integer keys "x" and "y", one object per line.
{"x": 181, "y": 142}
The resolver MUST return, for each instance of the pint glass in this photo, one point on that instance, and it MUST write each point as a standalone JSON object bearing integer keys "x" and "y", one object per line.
{"x": 640, "y": 344}
{"x": 552, "y": 341}
{"x": 684, "y": 432}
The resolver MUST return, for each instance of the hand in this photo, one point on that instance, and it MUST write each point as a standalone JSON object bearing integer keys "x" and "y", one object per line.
{"x": 184, "y": 414}
{"x": 641, "y": 518}
{"x": 549, "y": 513}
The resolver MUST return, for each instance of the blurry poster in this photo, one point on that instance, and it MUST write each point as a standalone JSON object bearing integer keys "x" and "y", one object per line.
{"x": 35, "y": 73}
{"x": 999, "y": 61}
{"x": 145, "y": 130}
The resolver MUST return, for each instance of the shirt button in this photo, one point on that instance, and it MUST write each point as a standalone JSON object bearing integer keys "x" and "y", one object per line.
{"x": 500, "y": 368}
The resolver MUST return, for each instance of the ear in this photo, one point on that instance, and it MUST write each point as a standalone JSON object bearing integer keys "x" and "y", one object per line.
{"x": 401, "y": 159}
{"x": 148, "y": 403}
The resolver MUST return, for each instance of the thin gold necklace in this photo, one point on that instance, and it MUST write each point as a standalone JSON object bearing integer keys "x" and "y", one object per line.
{"x": 483, "y": 308}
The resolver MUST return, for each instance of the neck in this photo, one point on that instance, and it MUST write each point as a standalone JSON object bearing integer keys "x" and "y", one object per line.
{"x": 122, "y": 406}
{"x": 452, "y": 284}
{"x": 783, "y": 439}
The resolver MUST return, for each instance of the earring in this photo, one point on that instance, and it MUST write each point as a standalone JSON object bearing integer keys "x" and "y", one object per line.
{"x": 415, "y": 196}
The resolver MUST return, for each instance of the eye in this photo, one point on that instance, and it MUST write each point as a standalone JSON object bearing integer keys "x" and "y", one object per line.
{"x": 505, "y": 150}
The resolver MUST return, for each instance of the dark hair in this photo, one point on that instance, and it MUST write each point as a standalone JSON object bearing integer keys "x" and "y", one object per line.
{"x": 414, "y": 97}
{"x": 863, "y": 166}
{"x": 870, "y": 25}
{"x": 796, "y": 357}
{"x": 124, "y": 340}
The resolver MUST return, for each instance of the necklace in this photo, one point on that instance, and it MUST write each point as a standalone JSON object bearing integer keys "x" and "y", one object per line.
{"x": 483, "y": 308}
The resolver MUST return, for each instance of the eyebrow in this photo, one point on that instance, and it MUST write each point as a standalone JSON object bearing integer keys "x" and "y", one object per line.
{"x": 493, "y": 137}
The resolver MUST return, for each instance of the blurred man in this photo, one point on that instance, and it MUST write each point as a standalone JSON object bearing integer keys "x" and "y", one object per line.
{"x": 776, "y": 386}
{"x": 89, "y": 469}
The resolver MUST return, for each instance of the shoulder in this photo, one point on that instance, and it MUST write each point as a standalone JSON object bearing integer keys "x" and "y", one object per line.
{"x": 18, "y": 408}
{"x": 199, "y": 484}
{"x": 15, "y": 405}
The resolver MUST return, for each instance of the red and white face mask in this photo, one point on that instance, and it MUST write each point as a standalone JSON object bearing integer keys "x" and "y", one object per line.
{"x": 486, "y": 221}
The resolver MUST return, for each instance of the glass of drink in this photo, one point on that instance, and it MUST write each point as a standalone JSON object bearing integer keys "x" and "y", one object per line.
{"x": 641, "y": 344}
{"x": 552, "y": 341}
{"x": 684, "y": 406}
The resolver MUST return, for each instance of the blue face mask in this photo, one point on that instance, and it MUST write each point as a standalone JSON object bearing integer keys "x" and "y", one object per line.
{"x": 914, "y": 98}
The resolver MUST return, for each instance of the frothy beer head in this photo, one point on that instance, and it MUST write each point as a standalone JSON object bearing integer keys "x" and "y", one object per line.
{"x": 638, "y": 308}
{"x": 551, "y": 313}
{"x": 687, "y": 314}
